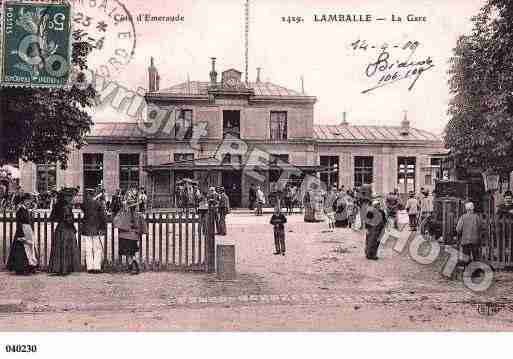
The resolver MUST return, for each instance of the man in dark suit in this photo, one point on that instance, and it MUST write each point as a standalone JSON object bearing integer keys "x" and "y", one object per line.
{"x": 94, "y": 226}
{"x": 223, "y": 210}
{"x": 252, "y": 197}
{"x": 375, "y": 224}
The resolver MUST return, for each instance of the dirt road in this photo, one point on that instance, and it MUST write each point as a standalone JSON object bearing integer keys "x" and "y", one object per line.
{"x": 323, "y": 283}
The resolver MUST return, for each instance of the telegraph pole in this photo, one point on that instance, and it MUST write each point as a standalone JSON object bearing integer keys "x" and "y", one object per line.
{"x": 246, "y": 37}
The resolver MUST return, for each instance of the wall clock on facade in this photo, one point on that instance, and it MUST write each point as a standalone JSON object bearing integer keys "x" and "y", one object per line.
{"x": 231, "y": 82}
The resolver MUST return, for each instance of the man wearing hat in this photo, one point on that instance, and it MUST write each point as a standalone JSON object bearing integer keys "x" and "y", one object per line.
{"x": 469, "y": 231}
{"x": 94, "y": 225}
{"x": 223, "y": 210}
{"x": 278, "y": 221}
{"x": 213, "y": 200}
{"x": 412, "y": 206}
{"x": 426, "y": 206}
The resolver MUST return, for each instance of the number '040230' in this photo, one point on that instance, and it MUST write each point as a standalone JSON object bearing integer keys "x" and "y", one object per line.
{"x": 20, "y": 348}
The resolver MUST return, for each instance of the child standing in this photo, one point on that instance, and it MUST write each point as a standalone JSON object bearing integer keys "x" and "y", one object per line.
{"x": 278, "y": 221}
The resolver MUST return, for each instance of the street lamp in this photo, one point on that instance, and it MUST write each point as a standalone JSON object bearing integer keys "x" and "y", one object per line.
{"x": 491, "y": 180}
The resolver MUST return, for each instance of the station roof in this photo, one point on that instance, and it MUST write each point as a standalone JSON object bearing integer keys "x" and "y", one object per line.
{"x": 322, "y": 133}
{"x": 334, "y": 133}
{"x": 199, "y": 88}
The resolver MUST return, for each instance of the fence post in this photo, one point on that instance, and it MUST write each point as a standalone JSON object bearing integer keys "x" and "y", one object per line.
{"x": 210, "y": 249}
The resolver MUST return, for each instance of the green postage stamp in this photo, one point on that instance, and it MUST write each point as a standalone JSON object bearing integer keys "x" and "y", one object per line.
{"x": 36, "y": 43}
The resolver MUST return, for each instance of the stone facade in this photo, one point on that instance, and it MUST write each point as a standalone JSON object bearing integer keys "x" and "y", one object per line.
{"x": 252, "y": 104}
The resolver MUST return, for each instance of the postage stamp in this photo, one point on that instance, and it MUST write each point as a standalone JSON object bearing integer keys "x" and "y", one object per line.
{"x": 36, "y": 44}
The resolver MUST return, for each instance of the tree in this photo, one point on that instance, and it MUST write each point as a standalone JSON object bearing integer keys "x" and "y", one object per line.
{"x": 480, "y": 128}
{"x": 43, "y": 125}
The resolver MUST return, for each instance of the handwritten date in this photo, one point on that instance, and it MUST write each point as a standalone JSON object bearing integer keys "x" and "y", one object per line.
{"x": 363, "y": 45}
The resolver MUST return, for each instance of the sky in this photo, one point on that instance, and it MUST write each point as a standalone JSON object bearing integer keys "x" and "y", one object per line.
{"x": 321, "y": 52}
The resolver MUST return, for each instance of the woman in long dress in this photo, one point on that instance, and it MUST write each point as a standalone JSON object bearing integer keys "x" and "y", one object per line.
{"x": 64, "y": 253}
{"x": 22, "y": 259}
{"x": 309, "y": 208}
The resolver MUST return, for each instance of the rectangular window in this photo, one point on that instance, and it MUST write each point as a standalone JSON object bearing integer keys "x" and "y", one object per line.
{"x": 330, "y": 175}
{"x": 128, "y": 171}
{"x": 436, "y": 167}
{"x": 406, "y": 170}
{"x": 363, "y": 170}
{"x": 278, "y": 125}
{"x": 183, "y": 125}
{"x": 93, "y": 170}
{"x": 428, "y": 180}
{"x": 231, "y": 124}
{"x": 46, "y": 178}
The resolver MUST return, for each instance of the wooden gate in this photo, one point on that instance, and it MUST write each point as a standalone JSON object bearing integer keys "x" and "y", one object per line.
{"x": 497, "y": 248}
{"x": 175, "y": 241}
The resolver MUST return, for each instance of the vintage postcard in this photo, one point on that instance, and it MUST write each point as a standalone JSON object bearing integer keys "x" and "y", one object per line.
{"x": 254, "y": 165}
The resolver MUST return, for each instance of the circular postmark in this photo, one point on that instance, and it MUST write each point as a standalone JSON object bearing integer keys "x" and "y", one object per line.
{"x": 108, "y": 26}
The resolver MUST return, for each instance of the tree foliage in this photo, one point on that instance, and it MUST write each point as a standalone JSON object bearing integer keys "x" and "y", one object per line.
{"x": 43, "y": 125}
{"x": 480, "y": 130}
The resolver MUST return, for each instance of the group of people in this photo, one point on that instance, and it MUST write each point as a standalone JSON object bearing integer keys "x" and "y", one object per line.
{"x": 188, "y": 194}
{"x": 256, "y": 199}
{"x": 419, "y": 208}
{"x": 121, "y": 197}
{"x": 8, "y": 198}
{"x": 65, "y": 256}
{"x": 340, "y": 207}
{"x": 217, "y": 199}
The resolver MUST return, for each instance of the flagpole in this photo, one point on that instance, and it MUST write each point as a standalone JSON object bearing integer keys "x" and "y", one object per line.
{"x": 246, "y": 34}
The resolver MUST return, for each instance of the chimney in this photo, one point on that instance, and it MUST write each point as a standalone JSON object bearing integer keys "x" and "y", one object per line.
{"x": 302, "y": 85}
{"x": 258, "y": 74}
{"x": 405, "y": 125}
{"x": 344, "y": 120}
{"x": 213, "y": 73}
{"x": 153, "y": 77}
